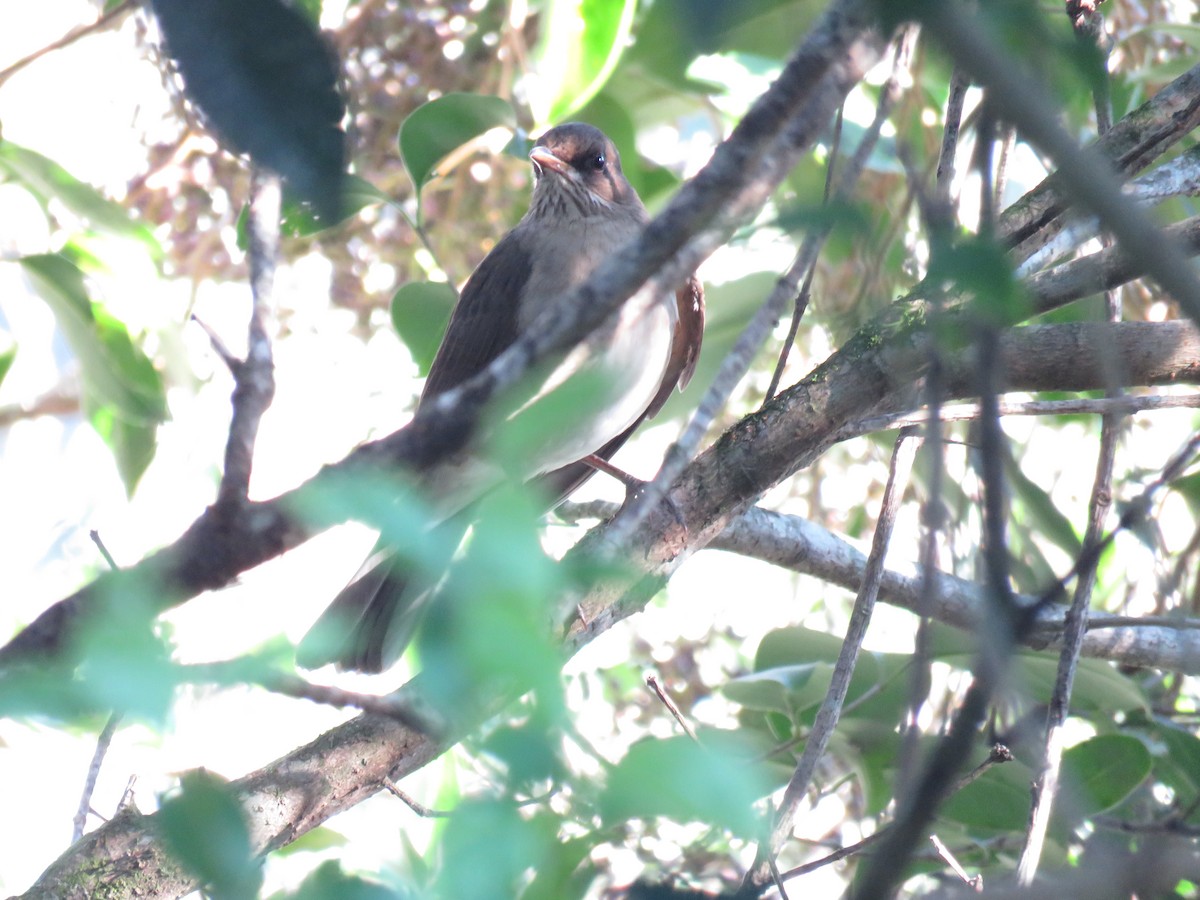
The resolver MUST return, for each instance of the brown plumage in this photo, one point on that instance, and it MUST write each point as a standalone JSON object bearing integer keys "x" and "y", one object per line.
{"x": 583, "y": 210}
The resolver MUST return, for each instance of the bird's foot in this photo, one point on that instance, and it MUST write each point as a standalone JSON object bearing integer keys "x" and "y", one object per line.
{"x": 634, "y": 487}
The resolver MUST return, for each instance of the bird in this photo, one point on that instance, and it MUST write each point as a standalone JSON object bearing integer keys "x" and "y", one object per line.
{"x": 583, "y": 210}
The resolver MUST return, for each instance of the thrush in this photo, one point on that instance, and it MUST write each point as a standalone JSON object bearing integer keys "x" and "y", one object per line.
{"x": 583, "y": 210}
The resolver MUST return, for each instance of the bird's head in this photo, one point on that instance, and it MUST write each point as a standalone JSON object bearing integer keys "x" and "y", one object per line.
{"x": 577, "y": 171}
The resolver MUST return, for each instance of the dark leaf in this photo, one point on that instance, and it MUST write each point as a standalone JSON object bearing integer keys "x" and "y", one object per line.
{"x": 267, "y": 82}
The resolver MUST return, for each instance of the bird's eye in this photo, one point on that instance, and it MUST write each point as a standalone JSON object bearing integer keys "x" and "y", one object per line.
{"x": 599, "y": 162}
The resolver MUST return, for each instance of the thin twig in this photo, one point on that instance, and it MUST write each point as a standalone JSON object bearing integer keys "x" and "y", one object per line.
{"x": 415, "y": 805}
{"x": 254, "y": 377}
{"x": 1047, "y": 783}
{"x": 66, "y": 40}
{"x": 1098, "y": 406}
{"x": 999, "y": 754}
{"x": 106, "y": 733}
{"x": 973, "y": 882}
{"x": 801, "y": 304}
{"x": 395, "y": 706}
{"x": 827, "y": 716}
{"x": 99, "y": 542}
{"x": 944, "y": 178}
{"x": 665, "y": 700}
{"x": 89, "y": 785}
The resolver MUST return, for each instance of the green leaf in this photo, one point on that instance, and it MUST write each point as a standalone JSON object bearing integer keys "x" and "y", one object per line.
{"x": 299, "y": 219}
{"x": 6, "y": 360}
{"x": 1101, "y": 772}
{"x": 420, "y": 312}
{"x": 328, "y": 881}
{"x": 1182, "y": 758}
{"x": 1044, "y": 514}
{"x": 47, "y": 180}
{"x": 785, "y": 689}
{"x": 440, "y": 126}
{"x": 501, "y": 845}
{"x": 205, "y": 829}
{"x": 124, "y": 660}
{"x": 998, "y": 800}
{"x": 1098, "y": 688}
{"x": 579, "y": 47}
{"x": 123, "y": 392}
{"x": 687, "y": 781}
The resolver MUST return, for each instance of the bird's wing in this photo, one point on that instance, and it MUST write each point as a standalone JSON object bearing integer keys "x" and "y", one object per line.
{"x": 484, "y": 321}
{"x": 685, "y": 350}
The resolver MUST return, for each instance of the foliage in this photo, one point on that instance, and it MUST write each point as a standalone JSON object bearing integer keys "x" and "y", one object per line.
{"x": 584, "y": 784}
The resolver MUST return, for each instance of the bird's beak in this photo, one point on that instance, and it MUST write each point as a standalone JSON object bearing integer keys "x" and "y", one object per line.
{"x": 544, "y": 159}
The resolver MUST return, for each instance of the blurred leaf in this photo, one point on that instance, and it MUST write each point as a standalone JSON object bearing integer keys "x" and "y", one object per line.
{"x": 979, "y": 267}
{"x": 784, "y": 689}
{"x": 420, "y": 313}
{"x": 49, "y": 692}
{"x": 47, "y": 180}
{"x": 6, "y": 361}
{"x": 1101, "y": 772}
{"x": 560, "y": 876}
{"x": 123, "y": 392}
{"x": 327, "y": 881}
{"x": 435, "y": 129}
{"x": 133, "y": 443}
{"x": 1099, "y": 687}
{"x": 267, "y": 83}
{"x": 467, "y": 645}
{"x": 530, "y": 753}
{"x": 800, "y": 217}
{"x": 124, "y": 660}
{"x": 1182, "y": 758}
{"x": 205, "y": 829}
{"x": 997, "y": 801}
{"x": 298, "y": 219}
{"x": 500, "y": 844}
{"x": 1044, "y": 515}
{"x": 687, "y": 782}
{"x": 315, "y": 839}
{"x": 580, "y": 44}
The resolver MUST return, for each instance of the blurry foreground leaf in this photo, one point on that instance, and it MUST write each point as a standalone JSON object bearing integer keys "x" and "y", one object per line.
{"x": 328, "y": 881}
{"x": 47, "y": 180}
{"x": 123, "y": 392}
{"x": 205, "y": 829}
{"x": 688, "y": 782}
{"x": 6, "y": 360}
{"x": 267, "y": 82}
